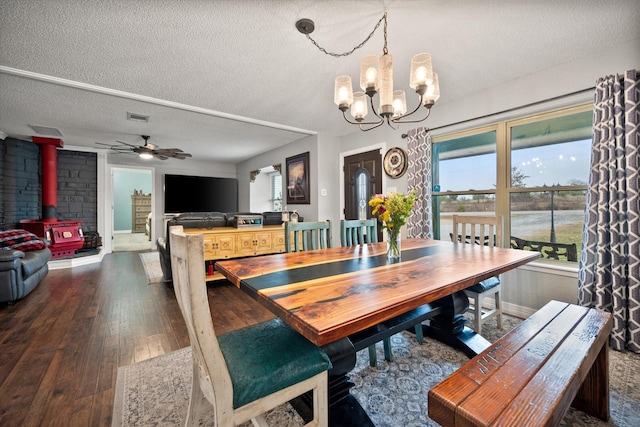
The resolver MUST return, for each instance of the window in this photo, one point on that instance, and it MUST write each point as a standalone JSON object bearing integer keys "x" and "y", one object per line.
{"x": 532, "y": 171}
{"x": 362, "y": 193}
{"x": 276, "y": 192}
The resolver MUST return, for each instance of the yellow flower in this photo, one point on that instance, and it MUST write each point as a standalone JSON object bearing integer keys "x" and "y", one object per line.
{"x": 394, "y": 209}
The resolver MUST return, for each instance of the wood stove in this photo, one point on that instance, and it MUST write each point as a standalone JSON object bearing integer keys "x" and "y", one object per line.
{"x": 63, "y": 238}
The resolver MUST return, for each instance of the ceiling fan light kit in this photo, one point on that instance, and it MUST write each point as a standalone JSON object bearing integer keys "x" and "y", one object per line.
{"x": 376, "y": 76}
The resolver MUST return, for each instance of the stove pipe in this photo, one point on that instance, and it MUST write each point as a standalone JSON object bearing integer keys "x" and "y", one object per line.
{"x": 49, "y": 159}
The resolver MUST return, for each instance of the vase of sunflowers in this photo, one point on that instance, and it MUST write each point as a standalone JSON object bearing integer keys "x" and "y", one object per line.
{"x": 393, "y": 210}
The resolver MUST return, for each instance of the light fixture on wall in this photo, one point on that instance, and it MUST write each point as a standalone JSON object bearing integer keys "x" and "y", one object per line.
{"x": 376, "y": 76}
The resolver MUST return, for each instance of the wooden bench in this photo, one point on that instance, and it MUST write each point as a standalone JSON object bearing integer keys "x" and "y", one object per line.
{"x": 555, "y": 359}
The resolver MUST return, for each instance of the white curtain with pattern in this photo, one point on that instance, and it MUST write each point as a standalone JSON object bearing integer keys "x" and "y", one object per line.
{"x": 419, "y": 178}
{"x": 609, "y": 277}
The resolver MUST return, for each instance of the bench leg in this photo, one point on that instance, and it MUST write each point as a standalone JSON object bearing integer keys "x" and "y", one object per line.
{"x": 593, "y": 395}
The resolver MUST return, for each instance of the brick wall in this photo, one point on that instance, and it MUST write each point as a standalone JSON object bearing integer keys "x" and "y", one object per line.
{"x": 20, "y": 191}
{"x": 78, "y": 188}
{"x": 21, "y": 196}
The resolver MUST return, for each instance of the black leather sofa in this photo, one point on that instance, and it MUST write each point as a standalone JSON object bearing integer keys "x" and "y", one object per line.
{"x": 203, "y": 220}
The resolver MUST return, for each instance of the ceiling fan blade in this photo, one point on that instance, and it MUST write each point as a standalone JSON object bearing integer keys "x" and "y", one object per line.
{"x": 160, "y": 156}
{"x": 174, "y": 152}
{"x": 125, "y": 143}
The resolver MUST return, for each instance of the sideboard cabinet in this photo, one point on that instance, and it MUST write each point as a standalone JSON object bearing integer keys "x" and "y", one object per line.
{"x": 230, "y": 242}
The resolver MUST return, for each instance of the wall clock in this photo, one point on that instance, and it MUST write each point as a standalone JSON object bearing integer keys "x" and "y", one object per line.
{"x": 395, "y": 162}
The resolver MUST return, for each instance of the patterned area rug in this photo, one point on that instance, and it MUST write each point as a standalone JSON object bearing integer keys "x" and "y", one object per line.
{"x": 156, "y": 392}
{"x": 151, "y": 264}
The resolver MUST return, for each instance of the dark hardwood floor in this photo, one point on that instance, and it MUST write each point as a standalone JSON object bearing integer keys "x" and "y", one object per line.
{"x": 61, "y": 346}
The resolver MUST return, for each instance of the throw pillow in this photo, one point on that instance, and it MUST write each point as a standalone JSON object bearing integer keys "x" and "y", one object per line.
{"x": 21, "y": 240}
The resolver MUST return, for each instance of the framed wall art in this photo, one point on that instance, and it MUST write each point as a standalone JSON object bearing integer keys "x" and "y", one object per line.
{"x": 298, "y": 179}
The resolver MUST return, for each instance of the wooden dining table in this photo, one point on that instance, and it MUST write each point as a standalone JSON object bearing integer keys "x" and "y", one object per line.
{"x": 333, "y": 295}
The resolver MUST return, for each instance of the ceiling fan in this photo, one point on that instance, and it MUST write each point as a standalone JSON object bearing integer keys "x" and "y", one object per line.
{"x": 148, "y": 150}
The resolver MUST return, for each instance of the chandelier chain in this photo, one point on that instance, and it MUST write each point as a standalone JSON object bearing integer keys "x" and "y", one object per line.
{"x": 337, "y": 55}
{"x": 384, "y": 49}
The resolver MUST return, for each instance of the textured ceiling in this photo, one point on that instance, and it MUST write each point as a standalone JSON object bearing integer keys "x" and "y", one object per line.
{"x": 226, "y": 80}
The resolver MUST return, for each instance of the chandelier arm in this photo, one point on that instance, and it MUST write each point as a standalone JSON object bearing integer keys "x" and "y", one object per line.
{"x": 373, "y": 108}
{"x": 372, "y": 127}
{"x": 391, "y": 123}
{"x": 414, "y": 110}
{"x": 413, "y": 121}
{"x": 344, "y": 114}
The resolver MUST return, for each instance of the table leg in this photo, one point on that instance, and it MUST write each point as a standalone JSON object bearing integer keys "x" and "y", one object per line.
{"x": 344, "y": 409}
{"x": 449, "y": 327}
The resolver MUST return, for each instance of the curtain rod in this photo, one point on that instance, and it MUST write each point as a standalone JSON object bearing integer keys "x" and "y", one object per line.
{"x": 509, "y": 110}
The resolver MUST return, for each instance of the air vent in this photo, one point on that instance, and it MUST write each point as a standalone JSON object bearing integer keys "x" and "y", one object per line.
{"x": 45, "y": 130}
{"x": 137, "y": 117}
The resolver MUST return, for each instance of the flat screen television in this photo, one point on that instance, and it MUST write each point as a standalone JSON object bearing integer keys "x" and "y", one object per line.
{"x": 184, "y": 193}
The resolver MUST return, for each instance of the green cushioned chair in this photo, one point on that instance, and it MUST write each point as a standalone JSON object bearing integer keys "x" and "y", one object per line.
{"x": 247, "y": 372}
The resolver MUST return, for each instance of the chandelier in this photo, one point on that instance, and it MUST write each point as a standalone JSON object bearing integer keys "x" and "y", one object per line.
{"x": 376, "y": 77}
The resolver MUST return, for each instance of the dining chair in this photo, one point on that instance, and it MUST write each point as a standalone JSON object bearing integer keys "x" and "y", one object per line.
{"x": 355, "y": 232}
{"x": 246, "y": 372}
{"x": 359, "y": 232}
{"x": 305, "y": 236}
{"x": 481, "y": 230}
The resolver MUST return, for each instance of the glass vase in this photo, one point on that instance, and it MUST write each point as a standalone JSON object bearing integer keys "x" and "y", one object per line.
{"x": 393, "y": 245}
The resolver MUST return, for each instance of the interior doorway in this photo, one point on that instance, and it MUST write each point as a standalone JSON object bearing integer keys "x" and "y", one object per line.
{"x": 132, "y": 209}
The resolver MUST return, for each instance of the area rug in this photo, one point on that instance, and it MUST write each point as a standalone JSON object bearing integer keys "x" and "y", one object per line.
{"x": 394, "y": 394}
{"x": 151, "y": 264}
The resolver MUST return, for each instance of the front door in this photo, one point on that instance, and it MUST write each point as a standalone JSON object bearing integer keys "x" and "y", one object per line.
{"x": 362, "y": 179}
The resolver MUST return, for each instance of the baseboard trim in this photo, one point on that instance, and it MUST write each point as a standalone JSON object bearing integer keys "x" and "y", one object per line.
{"x": 57, "y": 264}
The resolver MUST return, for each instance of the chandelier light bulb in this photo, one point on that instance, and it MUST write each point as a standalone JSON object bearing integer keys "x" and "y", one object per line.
{"x": 421, "y": 71}
{"x": 372, "y": 75}
{"x": 399, "y": 103}
{"x": 433, "y": 92}
{"x": 369, "y": 66}
{"x": 359, "y": 107}
{"x": 343, "y": 95}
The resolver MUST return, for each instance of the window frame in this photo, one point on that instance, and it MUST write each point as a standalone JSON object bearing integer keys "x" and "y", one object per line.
{"x": 504, "y": 190}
